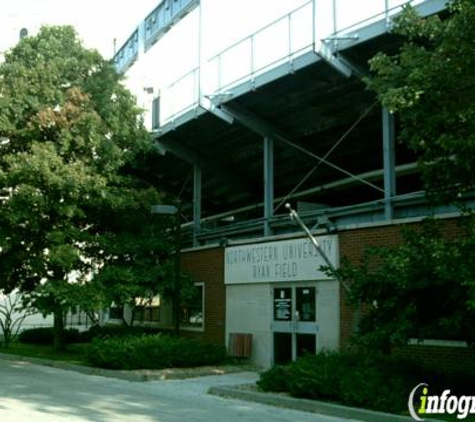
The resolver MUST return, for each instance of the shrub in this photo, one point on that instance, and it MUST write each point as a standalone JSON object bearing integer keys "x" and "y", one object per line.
{"x": 275, "y": 379}
{"x": 316, "y": 376}
{"x": 44, "y": 336}
{"x": 152, "y": 352}
{"x": 363, "y": 380}
{"x": 107, "y": 331}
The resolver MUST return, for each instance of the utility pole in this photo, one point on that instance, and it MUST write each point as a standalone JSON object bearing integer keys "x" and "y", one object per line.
{"x": 174, "y": 210}
{"x": 295, "y": 217}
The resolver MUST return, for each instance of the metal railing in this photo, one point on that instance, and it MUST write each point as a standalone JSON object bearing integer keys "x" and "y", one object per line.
{"x": 367, "y": 13}
{"x": 163, "y": 17}
{"x": 280, "y": 42}
{"x": 129, "y": 52}
{"x": 179, "y": 97}
{"x": 276, "y": 43}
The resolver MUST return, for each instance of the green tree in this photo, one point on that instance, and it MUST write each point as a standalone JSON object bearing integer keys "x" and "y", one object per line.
{"x": 423, "y": 289}
{"x": 135, "y": 251}
{"x": 69, "y": 135}
{"x": 430, "y": 84}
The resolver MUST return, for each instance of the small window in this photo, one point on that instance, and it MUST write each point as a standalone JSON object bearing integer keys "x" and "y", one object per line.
{"x": 156, "y": 113}
{"x": 192, "y": 313}
{"x": 148, "y": 310}
{"x": 116, "y": 312}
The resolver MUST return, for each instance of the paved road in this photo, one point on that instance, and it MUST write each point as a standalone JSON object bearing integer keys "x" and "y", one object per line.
{"x": 35, "y": 393}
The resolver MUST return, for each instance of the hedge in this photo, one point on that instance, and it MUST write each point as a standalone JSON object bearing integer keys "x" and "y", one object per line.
{"x": 369, "y": 381}
{"x": 153, "y": 352}
{"x": 44, "y": 336}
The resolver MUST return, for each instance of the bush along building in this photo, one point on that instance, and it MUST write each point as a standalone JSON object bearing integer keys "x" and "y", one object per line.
{"x": 282, "y": 116}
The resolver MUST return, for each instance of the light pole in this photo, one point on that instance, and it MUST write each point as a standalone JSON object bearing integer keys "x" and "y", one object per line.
{"x": 295, "y": 217}
{"x": 176, "y": 211}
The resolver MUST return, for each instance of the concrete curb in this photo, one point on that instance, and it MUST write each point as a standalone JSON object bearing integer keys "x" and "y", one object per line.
{"x": 312, "y": 406}
{"x": 243, "y": 392}
{"x": 139, "y": 375}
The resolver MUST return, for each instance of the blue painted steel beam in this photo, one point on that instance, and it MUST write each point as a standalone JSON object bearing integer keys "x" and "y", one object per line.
{"x": 389, "y": 162}
{"x": 196, "y": 204}
{"x": 268, "y": 184}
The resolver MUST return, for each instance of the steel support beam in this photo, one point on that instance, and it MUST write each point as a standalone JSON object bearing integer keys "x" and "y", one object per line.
{"x": 196, "y": 204}
{"x": 265, "y": 129}
{"x": 179, "y": 151}
{"x": 268, "y": 184}
{"x": 190, "y": 156}
{"x": 335, "y": 60}
{"x": 389, "y": 163}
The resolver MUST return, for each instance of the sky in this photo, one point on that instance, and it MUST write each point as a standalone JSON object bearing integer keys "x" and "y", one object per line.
{"x": 99, "y": 22}
{"x": 106, "y": 24}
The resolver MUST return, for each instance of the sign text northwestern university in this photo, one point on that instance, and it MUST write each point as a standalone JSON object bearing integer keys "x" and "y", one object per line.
{"x": 285, "y": 260}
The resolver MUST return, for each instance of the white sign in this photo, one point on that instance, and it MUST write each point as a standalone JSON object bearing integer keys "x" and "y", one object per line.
{"x": 286, "y": 260}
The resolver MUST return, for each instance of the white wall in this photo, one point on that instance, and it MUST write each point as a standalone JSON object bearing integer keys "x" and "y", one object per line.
{"x": 328, "y": 315}
{"x": 248, "y": 310}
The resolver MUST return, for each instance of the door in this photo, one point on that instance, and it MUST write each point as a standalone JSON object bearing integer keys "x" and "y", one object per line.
{"x": 294, "y": 326}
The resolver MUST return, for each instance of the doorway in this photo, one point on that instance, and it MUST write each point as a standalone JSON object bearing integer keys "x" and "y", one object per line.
{"x": 294, "y": 322}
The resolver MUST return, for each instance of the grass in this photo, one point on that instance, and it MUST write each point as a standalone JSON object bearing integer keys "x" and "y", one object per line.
{"x": 74, "y": 353}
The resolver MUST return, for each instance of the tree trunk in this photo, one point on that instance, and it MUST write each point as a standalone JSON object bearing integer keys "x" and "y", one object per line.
{"x": 58, "y": 331}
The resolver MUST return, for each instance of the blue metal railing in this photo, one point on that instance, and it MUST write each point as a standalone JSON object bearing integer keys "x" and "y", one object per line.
{"x": 179, "y": 97}
{"x": 128, "y": 53}
{"x": 282, "y": 41}
{"x": 163, "y": 17}
{"x": 277, "y": 42}
{"x": 156, "y": 24}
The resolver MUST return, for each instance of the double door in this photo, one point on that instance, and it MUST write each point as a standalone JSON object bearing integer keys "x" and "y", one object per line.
{"x": 294, "y": 323}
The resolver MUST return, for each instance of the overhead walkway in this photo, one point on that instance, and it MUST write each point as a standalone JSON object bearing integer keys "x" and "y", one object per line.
{"x": 281, "y": 116}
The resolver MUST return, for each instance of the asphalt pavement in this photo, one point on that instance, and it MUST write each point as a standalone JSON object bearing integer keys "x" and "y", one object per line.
{"x": 36, "y": 393}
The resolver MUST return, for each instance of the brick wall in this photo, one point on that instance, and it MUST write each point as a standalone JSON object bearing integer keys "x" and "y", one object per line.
{"x": 352, "y": 245}
{"x": 207, "y": 266}
{"x": 459, "y": 359}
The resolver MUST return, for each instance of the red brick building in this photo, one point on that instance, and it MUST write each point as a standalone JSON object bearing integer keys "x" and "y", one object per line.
{"x": 254, "y": 308}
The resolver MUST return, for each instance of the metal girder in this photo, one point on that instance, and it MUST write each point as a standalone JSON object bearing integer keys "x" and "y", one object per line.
{"x": 191, "y": 157}
{"x": 179, "y": 151}
{"x": 268, "y": 184}
{"x": 265, "y": 129}
{"x": 196, "y": 203}
{"x": 389, "y": 161}
{"x": 209, "y": 104}
{"x": 336, "y": 61}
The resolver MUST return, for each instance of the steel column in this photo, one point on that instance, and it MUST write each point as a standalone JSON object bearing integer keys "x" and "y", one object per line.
{"x": 196, "y": 204}
{"x": 268, "y": 184}
{"x": 389, "y": 160}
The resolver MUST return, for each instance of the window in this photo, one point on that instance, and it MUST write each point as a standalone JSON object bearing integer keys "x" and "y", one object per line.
{"x": 116, "y": 311}
{"x": 147, "y": 310}
{"x": 192, "y": 313}
{"x": 156, "y": 113}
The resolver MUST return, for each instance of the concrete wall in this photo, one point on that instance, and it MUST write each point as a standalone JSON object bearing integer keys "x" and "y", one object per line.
{"x": 328, "y": 315}
{"x": 248, "y": 310}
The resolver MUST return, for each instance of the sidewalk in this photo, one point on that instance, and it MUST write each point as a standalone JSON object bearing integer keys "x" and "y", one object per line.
{"x": 138, "y": 375}
{"x": 246, "y": 392}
